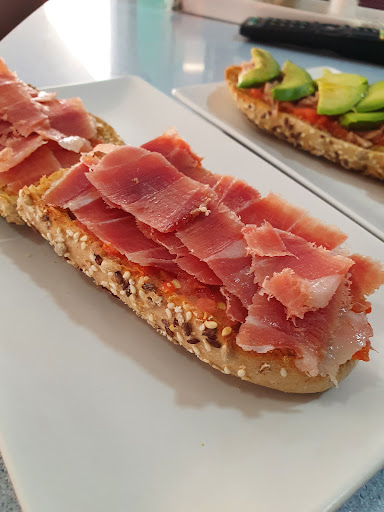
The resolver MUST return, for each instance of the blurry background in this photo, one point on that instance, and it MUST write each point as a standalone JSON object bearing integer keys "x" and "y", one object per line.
{"x": 368, "y": 12}
{"x": 353, "y": 12}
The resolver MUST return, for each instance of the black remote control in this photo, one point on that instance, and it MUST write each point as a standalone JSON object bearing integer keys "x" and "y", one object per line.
{"x": 361, "y": 43}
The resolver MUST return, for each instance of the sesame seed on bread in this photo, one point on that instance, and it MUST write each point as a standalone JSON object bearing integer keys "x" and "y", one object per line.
{"x": 303, "y": 135}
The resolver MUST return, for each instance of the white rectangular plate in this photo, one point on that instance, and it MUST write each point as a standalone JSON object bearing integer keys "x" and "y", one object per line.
{"x": 359, "y": 197}
{"x": 99, "y": 412}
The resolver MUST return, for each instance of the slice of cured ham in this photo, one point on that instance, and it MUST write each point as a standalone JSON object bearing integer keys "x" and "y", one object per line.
{"x": 168, "y": 240}
{"x": 186, "y": 261}
{"x": 31, "y": 169}
{"x": 148, "y": 186}
{"x": 273, "y": 209}
{"x": 42, "y": 96}
{"x": 282, "y": 215}
{"x": 236, "y": 194}
{"x": 312, "y": 339}
{"x": 17, "y": 149}
{"x": 265, "y": 241}
{"x": 235, "y": 310}
{"x": 300, "y": 275}
{"x": 217, "y": 239}
{"x": 72, "y": 184}
{"x": 314, "y": 230}
{"x": 300, "y": 295}
{"x": 16, "y": 105}
{"x": 352, "y": 334}
{"x": 367, "y": 275}
{"x": 70, "y": 143}
{"x": 66, "y": 158}
{"x": 69, "y": 117}
{"x": 118, "y": 228}
{"x": 197, "y": 268}
{"x": 6, "y": 130}
{"x": 70, "y": 125}
{"x": 179, "y": 154}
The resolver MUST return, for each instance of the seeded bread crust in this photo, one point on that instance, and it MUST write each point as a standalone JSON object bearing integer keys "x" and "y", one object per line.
{"x": 211, "y": 340}
{"x": 304, "y": 136}
{"x": 8, "y": 208}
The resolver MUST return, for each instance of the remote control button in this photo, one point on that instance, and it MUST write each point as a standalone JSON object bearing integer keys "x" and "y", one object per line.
{"x": 256, "y": 22}
{"x": 332, "y": 28}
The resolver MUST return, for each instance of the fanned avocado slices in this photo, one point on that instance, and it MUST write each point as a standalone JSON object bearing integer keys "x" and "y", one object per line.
{"x": 339, "y": 92}
{"x": 265, "y": 69}
{"x": 362, "y": 121}
{"x": 296, "y": 83}
{"x": 373, "y": 100}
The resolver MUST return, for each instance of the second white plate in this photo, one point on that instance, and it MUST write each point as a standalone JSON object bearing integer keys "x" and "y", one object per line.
{"x": 359, "y": 197}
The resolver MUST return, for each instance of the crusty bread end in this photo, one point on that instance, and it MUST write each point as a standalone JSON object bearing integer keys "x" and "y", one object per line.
{"x": 304, "y": 136}
{"x": 169, "y": 313}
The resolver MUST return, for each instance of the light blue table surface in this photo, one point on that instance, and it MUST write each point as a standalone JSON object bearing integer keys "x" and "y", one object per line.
{"x": 168, "y": 50}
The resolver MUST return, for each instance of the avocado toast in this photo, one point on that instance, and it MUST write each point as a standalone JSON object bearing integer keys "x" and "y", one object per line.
{"x": 339, "y": 116}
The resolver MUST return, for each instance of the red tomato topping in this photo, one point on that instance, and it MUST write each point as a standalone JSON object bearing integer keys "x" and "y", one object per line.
{"x": 308, "y": 114}
{"x": 167, "y": 287}
{"x": 257, "y": 93}
{"x": 363, "y": 354}
{"x": 206, "y": 304}
{"x": 379, "y": 140}
{"x": 109, "y": 249}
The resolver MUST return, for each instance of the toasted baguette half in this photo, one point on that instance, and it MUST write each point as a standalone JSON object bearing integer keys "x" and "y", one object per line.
{"x": 211, "y": 339}
{"x": 303, "y": 135}
{"x": 8, "y": 201}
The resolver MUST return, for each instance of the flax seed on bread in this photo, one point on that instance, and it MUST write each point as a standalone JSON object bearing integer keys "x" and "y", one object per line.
{"x": 8, "y": 201}
{"x": 210, "y": 339}
{"x": 303, "y": 135}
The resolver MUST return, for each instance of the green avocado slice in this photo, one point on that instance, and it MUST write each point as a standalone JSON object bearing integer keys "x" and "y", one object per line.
{"x": 339, "y": 92}
{"x": 362, "y": 121}
{"x": 373, "y": 100}
{"x": 296, "y": 84}
{"x": 265, "y": 68}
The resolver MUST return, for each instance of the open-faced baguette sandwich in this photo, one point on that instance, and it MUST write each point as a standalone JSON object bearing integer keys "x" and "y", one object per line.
{"x": 338, "y": 116}
{"x": 39, "y": 134}
{"x": 252, "y": 285}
